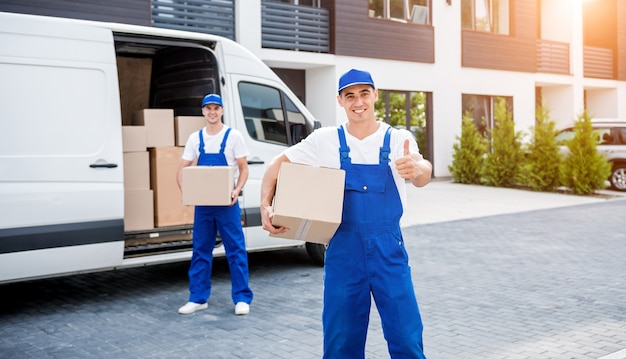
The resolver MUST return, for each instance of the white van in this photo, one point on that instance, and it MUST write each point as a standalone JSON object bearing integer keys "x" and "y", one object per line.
{"x": 61, "y": 156}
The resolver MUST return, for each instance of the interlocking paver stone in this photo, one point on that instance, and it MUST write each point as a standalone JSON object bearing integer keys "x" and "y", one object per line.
{"x": 547, "y": 283}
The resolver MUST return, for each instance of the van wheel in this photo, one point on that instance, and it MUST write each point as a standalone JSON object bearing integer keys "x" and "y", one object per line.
{"x": 618, "y": 177}
{"x": 316, "y": 251}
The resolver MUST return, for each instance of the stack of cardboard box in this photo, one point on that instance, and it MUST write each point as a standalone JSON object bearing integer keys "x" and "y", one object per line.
{"x": 153, "y": 146}
{"x": 138, "y": 197}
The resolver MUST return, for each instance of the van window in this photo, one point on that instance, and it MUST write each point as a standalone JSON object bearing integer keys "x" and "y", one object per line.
{"x": 270, "y": 116}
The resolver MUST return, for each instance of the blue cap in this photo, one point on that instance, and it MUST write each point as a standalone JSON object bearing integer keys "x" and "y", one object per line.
{"x": 212, "y": 98}
{"x": 355, "y": 77}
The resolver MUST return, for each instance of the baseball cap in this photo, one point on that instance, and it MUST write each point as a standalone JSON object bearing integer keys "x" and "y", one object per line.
{"x": 355, "y": 77}
{"x": 212, "y": 98}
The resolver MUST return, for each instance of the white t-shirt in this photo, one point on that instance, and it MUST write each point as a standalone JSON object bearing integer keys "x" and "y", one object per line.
{"x": 321, "y": 148}
{"x": 235, "y": 146}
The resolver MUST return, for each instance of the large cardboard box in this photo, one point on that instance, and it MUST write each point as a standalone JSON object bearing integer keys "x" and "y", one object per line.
{"x": 184, "y": 126}
{"x": 168, "y": 205}
{"x": 308, "y": 201}
{"x": 138, "y": 209}
{"x": 159, "y": 125}
{"x": 136, "y": 170}
{"x": 134, "y": 76}
{"x": 208, "y": 185}
{"x": 134, "y": 139}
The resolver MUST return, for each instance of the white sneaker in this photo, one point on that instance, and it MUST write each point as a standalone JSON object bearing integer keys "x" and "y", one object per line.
{"x": 192, "y": 307}
{"x": 242, "y": 308}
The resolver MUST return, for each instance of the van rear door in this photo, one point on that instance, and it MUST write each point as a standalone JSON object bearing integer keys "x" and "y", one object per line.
{"x": 61, "y": 180}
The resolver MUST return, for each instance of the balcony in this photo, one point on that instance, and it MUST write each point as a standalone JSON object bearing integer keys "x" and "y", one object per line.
{"x": 206, "y": 16}
{"x": 294, "y": 27}
{"x": 598, "y": 62}
{"x": 553, "y": 57}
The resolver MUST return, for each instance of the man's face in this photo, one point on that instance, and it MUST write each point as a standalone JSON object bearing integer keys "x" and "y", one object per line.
{"x": 358, "y": 102}
{"x": 212, "y": 113}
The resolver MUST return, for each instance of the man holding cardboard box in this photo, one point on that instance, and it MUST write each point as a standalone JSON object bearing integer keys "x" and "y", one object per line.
{"x": 217, "y": 145}
{"x": 366, "y": 256}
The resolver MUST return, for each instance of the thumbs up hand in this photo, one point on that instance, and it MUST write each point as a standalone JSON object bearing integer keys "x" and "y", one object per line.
{"x": 408, "y": 165}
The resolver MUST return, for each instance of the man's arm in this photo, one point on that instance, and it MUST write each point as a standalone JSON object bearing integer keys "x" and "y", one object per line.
{"x": 179, "y": 174}
{"x": 242, "y": 163}
{"x": 268, "y": 189}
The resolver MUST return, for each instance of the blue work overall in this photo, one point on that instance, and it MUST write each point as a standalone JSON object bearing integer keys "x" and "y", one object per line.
{"x": 207, "y": 221}
{"x": 367, "y": 257}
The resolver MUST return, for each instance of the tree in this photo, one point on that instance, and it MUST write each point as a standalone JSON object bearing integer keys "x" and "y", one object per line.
{"x": 467, "y": 158}
{"x": 503, "y": 164}
{"x": 584, "y": 169}
{"x": 542, "y": 163}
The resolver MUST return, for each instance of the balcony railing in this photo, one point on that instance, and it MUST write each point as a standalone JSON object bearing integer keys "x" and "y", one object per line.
{"x": 294, "y": 27}
{"x": 598, "y": 62}
{"x": 206, "y": 16}
{"x": 553, "y": 57}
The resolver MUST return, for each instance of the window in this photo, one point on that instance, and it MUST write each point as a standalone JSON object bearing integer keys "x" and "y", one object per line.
{"x": 481, "y": 108}
{"x": 404, "y": 109}
{"x": 414, "y": 11}
{"x": 485, "y": 15}
{"x": 270, "y": 116}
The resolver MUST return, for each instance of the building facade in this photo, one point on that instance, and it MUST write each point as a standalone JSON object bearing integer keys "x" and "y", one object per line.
{"x": 432, "y": 60}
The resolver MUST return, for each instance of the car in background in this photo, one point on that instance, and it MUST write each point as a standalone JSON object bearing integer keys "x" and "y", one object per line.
{"x": 611, "y": 137}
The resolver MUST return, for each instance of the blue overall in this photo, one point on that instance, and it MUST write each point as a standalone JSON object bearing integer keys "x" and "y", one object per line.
{"x": 207, "y": 221}
{"x": 365, "y": 258}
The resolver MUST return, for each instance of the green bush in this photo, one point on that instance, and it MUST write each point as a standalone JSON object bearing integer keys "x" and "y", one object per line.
{"x": 543, "y": 161}
{"x": 584, "y": 170}
{"x": 468, "y": 153}
{"x": 502, "y": 167}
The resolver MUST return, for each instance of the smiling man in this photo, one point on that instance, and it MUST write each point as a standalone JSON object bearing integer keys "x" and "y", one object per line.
{"x": 366, "y": 256}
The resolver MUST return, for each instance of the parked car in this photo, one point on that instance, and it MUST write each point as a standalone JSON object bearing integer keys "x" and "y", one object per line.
{"x": 611, "y": 137}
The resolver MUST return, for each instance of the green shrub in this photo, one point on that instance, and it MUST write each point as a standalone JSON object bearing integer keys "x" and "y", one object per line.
{"x": 543, "y": 161}
{"x": 502, "y": 167}
{"x": 584, "y": 170}
{"x": 468, "y": 153}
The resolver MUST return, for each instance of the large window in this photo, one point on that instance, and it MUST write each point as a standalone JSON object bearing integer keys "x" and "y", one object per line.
{"x": 415, "y": 11}
{"x": 405, "y": 109}
{"x": 481, "y": 108}
{"x": 485, "y": 15}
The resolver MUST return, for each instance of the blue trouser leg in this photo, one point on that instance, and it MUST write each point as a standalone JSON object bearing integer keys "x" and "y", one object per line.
{"x": 200, "y": 268}
{"x": 234, "y": 242}
{"x": 392, "y": 288}
{"x": 347, "y": 299}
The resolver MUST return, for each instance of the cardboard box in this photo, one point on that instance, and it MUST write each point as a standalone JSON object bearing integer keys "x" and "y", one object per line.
{"x": 308, "y": 201}
{"x": 208, "y": 185}
{"x": 134, "y": 139}
{"x": 136, "y": 170}
{"x": 138, "y": 209}
{"x": 134, "y": 75}
{"x": 184, "y": 126}
{"x": 168, "y": 205}
{"x": 159, "y": 125}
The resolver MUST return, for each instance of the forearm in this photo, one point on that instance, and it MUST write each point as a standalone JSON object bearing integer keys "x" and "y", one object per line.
{"x": 268, "y": 184}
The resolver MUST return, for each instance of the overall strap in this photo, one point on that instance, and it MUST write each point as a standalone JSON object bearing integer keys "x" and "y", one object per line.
{"x": 386, "y": 150}
{"x": 223, "y": 145}
{"x": 201, "y": 147}
{"x": 344, "y": 150}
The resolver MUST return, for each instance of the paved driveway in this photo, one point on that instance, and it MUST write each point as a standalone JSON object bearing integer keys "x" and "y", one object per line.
{"x": 547, "y": 281}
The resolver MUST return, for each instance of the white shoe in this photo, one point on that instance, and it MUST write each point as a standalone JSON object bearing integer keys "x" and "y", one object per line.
{"x": 242, "y": 308}
{"x": 192, "y": 307}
